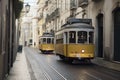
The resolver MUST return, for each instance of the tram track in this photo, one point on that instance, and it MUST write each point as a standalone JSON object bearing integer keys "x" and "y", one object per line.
{"x": 45, "y": 66}
{"x": 44, "y": 74}
{"x": 55, "y": 69}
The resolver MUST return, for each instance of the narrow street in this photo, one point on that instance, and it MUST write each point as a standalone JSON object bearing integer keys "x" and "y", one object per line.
{"x": 76, "y": 30}
{"x": 50, "y": 67}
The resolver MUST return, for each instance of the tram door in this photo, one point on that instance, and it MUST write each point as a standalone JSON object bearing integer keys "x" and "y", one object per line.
{"x": 100, "y": 35}
{"x": 117, "y": 34}
{"x": 66, "y": 42}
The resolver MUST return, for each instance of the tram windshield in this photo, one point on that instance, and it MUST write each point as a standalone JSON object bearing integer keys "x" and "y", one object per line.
{"x": 82, "y": 37}
{"x": 72, "y": 37}
{"x": 44, "y": 40}
{"x": 52, "y": 40}
{"x": 47, "y": 40}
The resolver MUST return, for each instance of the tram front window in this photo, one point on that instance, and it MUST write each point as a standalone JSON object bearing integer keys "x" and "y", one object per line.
{"x": 90, "y": 37}
{"x": 72, "y": 37}
{"x": 82, "y": 37}
{"x": 52, "y": 40}
{"x": 48, "y": 40}
{"x": 39, "y": 41}
{"x": 44, "y": 40}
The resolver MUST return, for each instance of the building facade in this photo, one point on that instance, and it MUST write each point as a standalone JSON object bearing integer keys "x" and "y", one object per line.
{"x": 105, "y": 15}
{"x": 41, "y": 16}
{"x": 8, "y": 36}
{"x": 26, "y": 30}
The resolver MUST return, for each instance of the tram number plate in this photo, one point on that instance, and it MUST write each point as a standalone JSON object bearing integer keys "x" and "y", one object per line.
{"x": 78, "y": 55}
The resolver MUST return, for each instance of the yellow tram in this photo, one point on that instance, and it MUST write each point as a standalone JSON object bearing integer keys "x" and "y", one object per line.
{"x": 75, "y": 40}
{"x": 46, "y": 42}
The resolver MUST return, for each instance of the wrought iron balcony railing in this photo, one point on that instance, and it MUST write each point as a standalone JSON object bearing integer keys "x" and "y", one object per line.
{"x": 53, "y": 15}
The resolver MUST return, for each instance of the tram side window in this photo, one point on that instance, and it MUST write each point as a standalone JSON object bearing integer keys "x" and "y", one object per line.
{"x": 82, "y": 37}
{"x": 44, "y": 40}
{"x": 52, "y": 40}
{"x": 72, "y": 37}
{"x": 39, "y": 41}
{"x": 48, "y": 40}
{"x": 59, "y": 39}
{"x": 66, "y": 37}
{"x": 91, "y": 37}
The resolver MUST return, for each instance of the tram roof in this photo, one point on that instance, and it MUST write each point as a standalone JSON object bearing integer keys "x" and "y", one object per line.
{"x": 47, "y": 34}
{"x": 78, "y": 25}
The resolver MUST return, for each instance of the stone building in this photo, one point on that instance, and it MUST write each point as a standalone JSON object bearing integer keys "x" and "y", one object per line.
{"x": 8, "y": 36}
{"x": 105, "y": 15}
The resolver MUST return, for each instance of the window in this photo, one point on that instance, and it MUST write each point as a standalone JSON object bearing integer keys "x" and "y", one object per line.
{"x": 59, "y": 41}
{"x": 82, "y": 37}
{"x": 52, "y": 40}
{"x": 44, "y": 40}
{"x": 30, "y": 40}
{"x": 39, "y": 41}
{"x": 91, "y": 37}
{"x": 48, "y": 40}
{"x": 66, "y": 37}
{"x": 59, "y": 38}
{"x": 73, "y": 3}
{"x": 72, "y": 37}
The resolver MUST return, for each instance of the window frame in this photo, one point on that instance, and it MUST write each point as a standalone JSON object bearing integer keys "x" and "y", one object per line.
{"x": 71, "y": 38}
{"x": 85, "y": 41}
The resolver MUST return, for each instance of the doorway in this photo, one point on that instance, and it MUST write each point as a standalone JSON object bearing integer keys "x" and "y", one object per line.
{"x": 116, "y": 17}
{"x": 100, "y": 35}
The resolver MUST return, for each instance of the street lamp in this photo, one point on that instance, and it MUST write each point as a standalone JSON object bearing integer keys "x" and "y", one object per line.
{"x": 27, "y": 8}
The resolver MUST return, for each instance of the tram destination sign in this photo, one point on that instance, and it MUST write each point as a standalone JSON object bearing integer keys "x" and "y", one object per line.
{"x": 78, "y": 20}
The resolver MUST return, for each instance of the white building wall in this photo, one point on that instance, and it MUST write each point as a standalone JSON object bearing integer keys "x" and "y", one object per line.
{"x": 64, "y": 12}
{"x": 105, "y": 7}
{"x": 35, "y": 17}
{"x": 25, "y": 30}
{"x": 35, "y": 32}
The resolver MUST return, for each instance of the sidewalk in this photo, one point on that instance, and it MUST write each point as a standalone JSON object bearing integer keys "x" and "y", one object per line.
{"x": 108, "y": 64}
{"x": 19, "y": 71}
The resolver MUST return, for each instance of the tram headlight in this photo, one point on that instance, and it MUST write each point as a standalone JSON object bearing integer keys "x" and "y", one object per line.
{"x": 83, "y": 51}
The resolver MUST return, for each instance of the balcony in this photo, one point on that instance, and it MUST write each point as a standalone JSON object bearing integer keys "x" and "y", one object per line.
{"x": 53, "y": 15}
{"x": 57, "y": 12}
{"x": 83, "y": 3}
